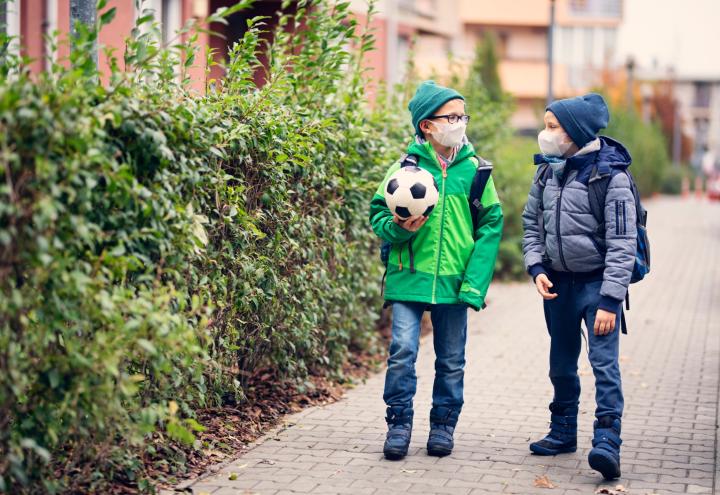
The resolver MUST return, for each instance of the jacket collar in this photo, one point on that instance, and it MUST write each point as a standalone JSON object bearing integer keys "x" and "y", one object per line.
{"x": 424, "y": 149}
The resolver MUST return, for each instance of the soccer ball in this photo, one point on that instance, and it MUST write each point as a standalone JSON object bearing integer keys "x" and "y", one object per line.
{"x": 411, "y": 191}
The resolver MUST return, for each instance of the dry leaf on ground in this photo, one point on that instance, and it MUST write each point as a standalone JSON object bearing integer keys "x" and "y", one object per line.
{"x": 543, "y": 482}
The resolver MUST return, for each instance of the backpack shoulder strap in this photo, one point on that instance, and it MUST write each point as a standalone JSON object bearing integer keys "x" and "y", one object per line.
{"x": 542, "y": 174}
{"x": 480, "y": 180}
{"x": 600, "y": 176}
{"x": 409, "y": 160}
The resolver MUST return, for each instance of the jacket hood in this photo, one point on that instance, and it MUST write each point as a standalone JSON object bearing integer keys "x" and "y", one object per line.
{"x": 613, "y": 153}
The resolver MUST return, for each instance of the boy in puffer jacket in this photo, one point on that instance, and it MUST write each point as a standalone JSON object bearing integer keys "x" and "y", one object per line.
{"x": 441, "y": 263}
{"x": 581, "y": 268}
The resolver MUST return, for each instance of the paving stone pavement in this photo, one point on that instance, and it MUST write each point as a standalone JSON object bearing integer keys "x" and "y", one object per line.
{"x": 670, "y": 364}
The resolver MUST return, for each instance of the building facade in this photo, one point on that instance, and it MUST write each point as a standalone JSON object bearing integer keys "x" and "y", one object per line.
{"x": 699, "y": 106}
{"x": 429, "y": 31}
{"x": 584, "y": 46}
{"x": 434, "y": 33}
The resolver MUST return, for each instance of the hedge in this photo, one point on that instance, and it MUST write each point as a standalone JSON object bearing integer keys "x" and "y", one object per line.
{"x": 158, "y": 246}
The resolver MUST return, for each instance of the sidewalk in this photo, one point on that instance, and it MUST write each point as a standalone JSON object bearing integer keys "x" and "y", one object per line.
{"x": 670, "y": 363}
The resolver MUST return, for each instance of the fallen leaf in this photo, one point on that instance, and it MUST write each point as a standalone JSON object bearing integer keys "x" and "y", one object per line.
{"x": 408, "y": 471}
{"x": 543, "y": 482}
{"x": 232, "y": 477}
{"x": 267, "y": 461}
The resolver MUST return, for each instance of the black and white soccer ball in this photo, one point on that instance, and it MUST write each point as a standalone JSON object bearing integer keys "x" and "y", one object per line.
{"x": 411, "y": 191}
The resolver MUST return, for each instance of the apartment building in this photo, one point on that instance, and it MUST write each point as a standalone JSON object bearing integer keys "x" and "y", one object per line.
{"x": 699, "y": 107}
{"x": 584, "y": 46}
{"x": 430, "y": 30}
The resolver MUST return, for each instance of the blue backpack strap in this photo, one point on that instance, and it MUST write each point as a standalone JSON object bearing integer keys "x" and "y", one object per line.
{"x": 480, "y": 180}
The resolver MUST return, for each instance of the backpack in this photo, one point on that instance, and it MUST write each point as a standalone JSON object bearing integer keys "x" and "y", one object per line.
{"x": 600, "y": 177}
{"x": 480, "y": 180}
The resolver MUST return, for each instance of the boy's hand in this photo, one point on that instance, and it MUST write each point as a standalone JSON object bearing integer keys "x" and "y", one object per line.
{"x": 604, "y": 322}
{"x": 411, "y": 224}
{"x": 543, "y": 285}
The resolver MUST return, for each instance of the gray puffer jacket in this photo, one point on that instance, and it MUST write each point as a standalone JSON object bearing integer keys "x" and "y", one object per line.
{"x": 561, "y": 233}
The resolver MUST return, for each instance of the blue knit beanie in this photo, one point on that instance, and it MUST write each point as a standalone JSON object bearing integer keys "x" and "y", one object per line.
{"x": 428, "y": 98}
{"x": 582, "y": 117}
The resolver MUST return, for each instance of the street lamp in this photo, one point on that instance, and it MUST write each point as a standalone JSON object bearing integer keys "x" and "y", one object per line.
{"x": 551, "y": 30}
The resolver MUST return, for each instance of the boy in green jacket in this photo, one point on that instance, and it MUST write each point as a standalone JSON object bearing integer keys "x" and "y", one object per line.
{"x": 437, "y": 263}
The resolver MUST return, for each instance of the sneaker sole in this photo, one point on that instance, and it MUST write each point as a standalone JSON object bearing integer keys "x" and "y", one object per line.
{"x": 394, "y": 455}
{"x": 438, "y": 451}
{"x": 537, "y": 450}
{"x": 605, "y": 465}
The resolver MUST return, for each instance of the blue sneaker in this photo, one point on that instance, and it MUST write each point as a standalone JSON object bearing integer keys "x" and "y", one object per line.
{"x": 562, "y": 438}
{"x": 442, "y": 426}
{"x": 605, "y": 454}
{"x": 397, "y": 440}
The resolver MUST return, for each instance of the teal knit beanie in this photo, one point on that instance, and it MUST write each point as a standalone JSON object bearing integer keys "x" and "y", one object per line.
{"x": 428, "y": 98}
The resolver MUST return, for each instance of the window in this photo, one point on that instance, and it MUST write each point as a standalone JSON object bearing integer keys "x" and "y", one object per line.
{"x": 702, "y": 94}
{"x": 603, "y": 8}
{"x": 588, "y": 46}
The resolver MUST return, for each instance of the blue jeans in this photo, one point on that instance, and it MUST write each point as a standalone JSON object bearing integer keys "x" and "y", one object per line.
{"x": 577, "y": 301}
{"x": 449, "y": 336}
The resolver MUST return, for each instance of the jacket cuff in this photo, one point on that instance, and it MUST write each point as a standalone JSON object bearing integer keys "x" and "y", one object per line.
{"x": 610, "y": 304}
{"x": 400, "y": 232}
{"x": 536, "y": 270}
{"x": 475, "y": 301}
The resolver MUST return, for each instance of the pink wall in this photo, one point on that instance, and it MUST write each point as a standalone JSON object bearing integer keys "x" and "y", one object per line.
{"x": 32, "y": 15}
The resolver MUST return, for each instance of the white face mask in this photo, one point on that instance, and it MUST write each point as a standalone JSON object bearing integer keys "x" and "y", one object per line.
{"x": 449, "y": 135}
{"x": 554, "y": 143}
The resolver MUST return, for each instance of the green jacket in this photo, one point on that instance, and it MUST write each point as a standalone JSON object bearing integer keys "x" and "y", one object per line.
{"x": 444, "y": 262}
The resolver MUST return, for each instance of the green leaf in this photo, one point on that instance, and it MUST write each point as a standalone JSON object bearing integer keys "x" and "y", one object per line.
{"x": 108, "y": 16}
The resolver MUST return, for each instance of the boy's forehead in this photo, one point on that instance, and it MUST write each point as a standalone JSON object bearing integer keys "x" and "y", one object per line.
{"x": 457, "y": 105}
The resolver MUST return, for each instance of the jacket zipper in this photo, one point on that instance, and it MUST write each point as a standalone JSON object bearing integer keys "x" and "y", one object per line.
{"x": 443, "y": 166}
{"x": 557, "y": 221}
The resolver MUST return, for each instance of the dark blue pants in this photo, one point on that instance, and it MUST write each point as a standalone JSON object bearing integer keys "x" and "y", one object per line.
{"x": 577, "y": 301}
{"x": 449, "y": 336}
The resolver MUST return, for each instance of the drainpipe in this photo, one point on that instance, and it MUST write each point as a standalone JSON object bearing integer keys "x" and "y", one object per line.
{"x": 551, "y": 69}
{"x": 84, "y": 11}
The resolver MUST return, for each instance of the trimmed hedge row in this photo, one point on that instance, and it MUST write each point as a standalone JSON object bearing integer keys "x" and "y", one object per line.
{"x": 157, "y": 246}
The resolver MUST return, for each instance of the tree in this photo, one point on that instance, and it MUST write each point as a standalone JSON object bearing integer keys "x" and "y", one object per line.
{"x": 486, "y": 66}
